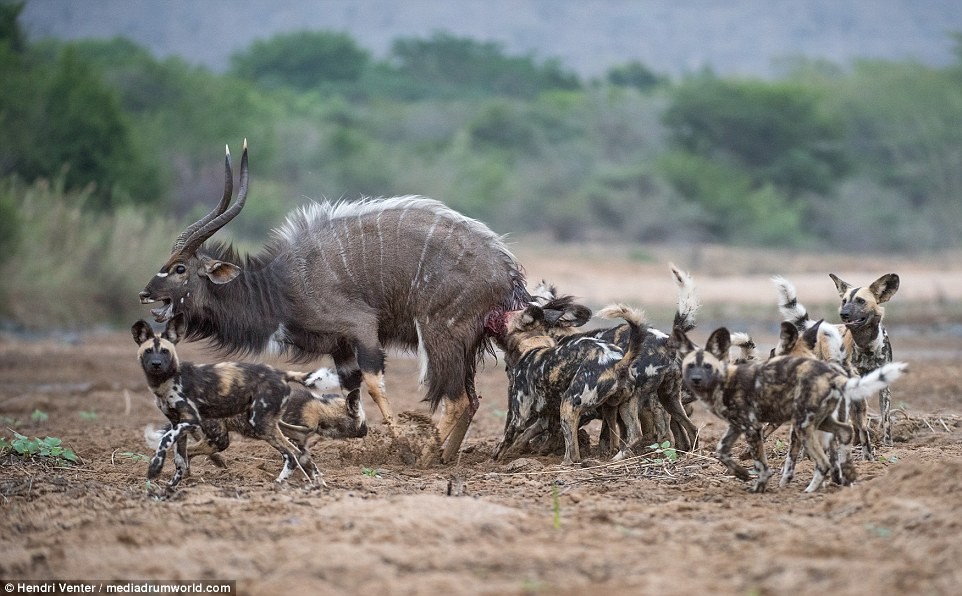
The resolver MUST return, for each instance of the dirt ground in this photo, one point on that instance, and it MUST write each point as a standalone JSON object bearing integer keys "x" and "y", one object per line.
{"x": 386, "y": 524}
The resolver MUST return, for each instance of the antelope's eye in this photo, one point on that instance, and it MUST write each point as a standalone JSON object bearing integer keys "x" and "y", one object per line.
{"x": 180, "y": 269}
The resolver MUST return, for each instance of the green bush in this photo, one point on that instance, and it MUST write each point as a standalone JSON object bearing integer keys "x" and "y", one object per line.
{"x": 75, "y": 268}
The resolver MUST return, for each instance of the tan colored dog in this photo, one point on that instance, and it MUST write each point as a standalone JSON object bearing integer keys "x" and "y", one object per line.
{"x": 865, "y": 341}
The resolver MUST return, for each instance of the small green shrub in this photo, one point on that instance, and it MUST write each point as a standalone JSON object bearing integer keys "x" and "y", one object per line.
{"x": 29, "y": 448}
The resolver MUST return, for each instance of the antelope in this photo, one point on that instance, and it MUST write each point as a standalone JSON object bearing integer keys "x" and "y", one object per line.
{"x": 347, "y": 279}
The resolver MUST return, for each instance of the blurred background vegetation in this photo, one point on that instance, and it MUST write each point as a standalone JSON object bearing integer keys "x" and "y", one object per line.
{"x": 107, "y": 151}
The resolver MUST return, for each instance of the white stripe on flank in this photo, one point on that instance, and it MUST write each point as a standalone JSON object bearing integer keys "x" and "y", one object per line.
{"x": 380, "y": 239}
{"x": 424, "y": 250}
{"x": 422, "y": 355}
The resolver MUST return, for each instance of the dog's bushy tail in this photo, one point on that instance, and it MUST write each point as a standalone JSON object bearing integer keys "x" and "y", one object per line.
{"x": 638, "y": 325}
{"x": 831, "y": 346}
{"x": 859, "y": 388}
{"x": 687, "y": 301}
{"x": 788, "y": 304}
{"x": 748, "y": 351}
{"x": 152, "y": 434}
{"x": 322, "y": 379}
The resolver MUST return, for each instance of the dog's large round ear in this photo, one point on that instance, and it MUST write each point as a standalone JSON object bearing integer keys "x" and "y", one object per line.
{"x": 719, "y": 342}
{"x": 810, "y": 337}
{"x": 574, "y": 315}
{"x": 787, "y": 337}
{"x": 142, "y": 331}
{"x": 533, "y": 315}
{"x": 176, "y": 328}
{"x": 679, "y": 342}
{"x": 840, "y": 285}
{"x": 885, "y": 287}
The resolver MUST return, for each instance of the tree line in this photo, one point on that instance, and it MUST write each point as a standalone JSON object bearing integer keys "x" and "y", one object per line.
{"x": 863, "y": 156}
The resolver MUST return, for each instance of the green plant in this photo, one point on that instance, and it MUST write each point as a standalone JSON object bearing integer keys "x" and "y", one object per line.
{"x": 370, "y": 472}
{"x": 667, "y": 452}
{"x": 134, "y": 457}
{"x": 780, "y": 447}
{"x": 87, "y": 414}
{"x": 39, "y": 416}
{"x": 49, "y": 447}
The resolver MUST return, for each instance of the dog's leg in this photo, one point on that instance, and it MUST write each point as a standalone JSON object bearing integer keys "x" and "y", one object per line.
{"x": 169, "y": 438}
{"x": 885, "y": 411}
{"x": 788, "y": 468}
{"x": 755, "y": 437}
{"x": 813, "y": 446}
{"x": 628, "y": 413}
{"x": 570, "y": 416}
{"x": 835, "y": 437}
{"x": 859, "y": 417}
{"x": 181, "y": 462}
{"x": 672, "y": 404}
{"x": 724, "y": 452}
{"x": 610, "y": 437}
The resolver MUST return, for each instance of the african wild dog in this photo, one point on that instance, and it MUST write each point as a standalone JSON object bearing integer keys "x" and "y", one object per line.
{"x": 656, "y": 373}
{"x": 865, "y": 341}
{"x": 308, "y": 412}
{"x": 804, "y": 390}
{"x": 188, "y": 394}
{"x": 549, "y": 378}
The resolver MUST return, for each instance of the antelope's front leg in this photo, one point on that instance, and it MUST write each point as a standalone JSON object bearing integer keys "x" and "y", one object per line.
{"x": 455, "y": 422}
{"x": 364, "y": 365}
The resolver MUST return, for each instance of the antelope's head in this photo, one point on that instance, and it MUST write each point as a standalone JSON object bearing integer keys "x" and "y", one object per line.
{"x": 188, "y": 267}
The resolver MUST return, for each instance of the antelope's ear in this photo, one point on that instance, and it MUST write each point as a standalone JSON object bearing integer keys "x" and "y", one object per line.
{"x": 176, "y": 328}
{"x": 219, "y": 272}
{"x": 142, "y": 331}
{"x": 885, "y": 287}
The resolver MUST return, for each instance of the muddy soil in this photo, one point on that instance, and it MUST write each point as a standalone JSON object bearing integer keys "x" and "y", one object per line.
{"x": 393, "y": 520}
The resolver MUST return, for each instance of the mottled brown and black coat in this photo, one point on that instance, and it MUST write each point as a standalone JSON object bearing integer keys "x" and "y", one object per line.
{"x": 252, "y": 395}
{"x": 805, "y": 391}
{"x": 866, "y": 344}
{"x": 551, "y": 381}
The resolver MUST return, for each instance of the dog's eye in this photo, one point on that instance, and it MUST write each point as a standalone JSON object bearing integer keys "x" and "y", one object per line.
{"x": 164, "y": 351}
{"x": 860, "y": 300}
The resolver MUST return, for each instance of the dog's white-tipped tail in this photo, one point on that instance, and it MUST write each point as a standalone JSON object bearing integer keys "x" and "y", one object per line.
{"x": 323, "y": 379}
{"x": 636, "y": 322}
{"x": 860, "y": 388}
{"x": 152, "y": 435}
{"x": 788, "y": 303}
{"x": 623, "y": 311}
{"x": 687, "y": 301}
{"x": 748, "y": 351}
{"x": 831, "y": 344}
